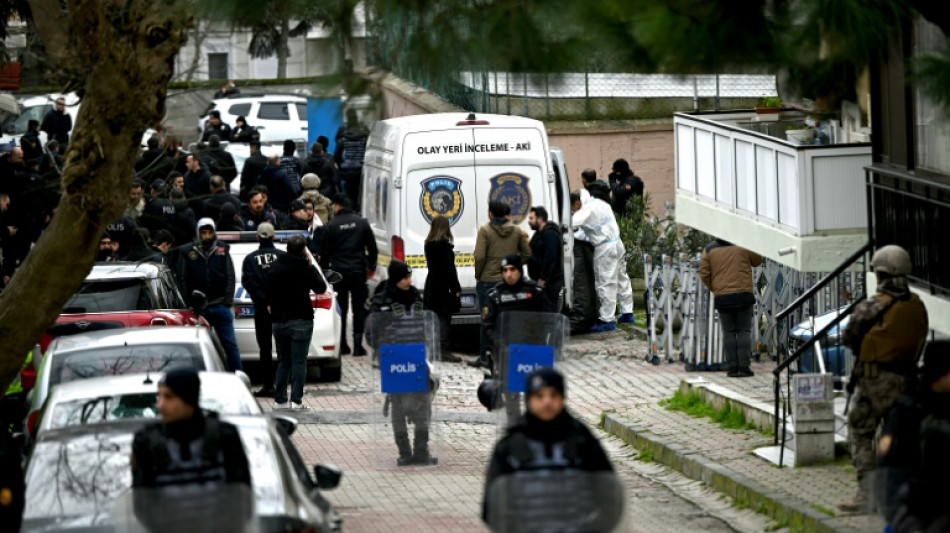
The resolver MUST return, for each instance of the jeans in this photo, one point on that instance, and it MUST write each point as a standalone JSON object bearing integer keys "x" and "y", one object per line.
{"x": 736, "y": 336}
{"x": 292, "y": 338}
{"x": 221, "y": 319}
{"x": 264, "y": 331}
{"x": 353, "y": 285}
{"x": 481, "y": 291}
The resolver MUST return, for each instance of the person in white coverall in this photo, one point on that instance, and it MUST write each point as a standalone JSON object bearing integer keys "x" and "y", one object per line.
{"x": 595, "y": 223}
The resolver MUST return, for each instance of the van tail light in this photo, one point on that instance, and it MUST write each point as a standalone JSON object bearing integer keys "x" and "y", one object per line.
{"x": 321, "y": 301}
{"x": 31, "y": 422}
{"x": 399, "y": 248}
{"x": 158, "y": 321}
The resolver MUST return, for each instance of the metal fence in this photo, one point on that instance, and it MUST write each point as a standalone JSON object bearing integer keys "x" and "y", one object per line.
{"x": 597, "y": 89}
{"x": 683, "y": 325}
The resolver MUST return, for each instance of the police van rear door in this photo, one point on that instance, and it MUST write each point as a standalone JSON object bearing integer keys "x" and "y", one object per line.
{"x": 440, "y": 180}
{"x": 511, "y": 165}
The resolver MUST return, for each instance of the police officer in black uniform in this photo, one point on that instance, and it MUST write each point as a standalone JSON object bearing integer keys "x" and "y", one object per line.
{"x": 254, "y": 278}
{"x": 400, "y": 297}
{"x": 546, "y": 438}
{"x": 206, "y": 266}
{"x": 513, "y": 293}
{"x": 913, "y": 465}
{"x": 349, "y": 248}
{"x": 187, "y": 446}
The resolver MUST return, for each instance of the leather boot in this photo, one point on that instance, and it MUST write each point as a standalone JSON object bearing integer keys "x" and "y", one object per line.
{"x": 358, "y": 349}
{"x": 344, "y": 347}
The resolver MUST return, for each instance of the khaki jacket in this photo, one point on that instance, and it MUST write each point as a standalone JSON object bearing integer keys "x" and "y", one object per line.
{"x": 493, "y": 243}
{"x": 898, "y": 337}
{"x": 727, "y": 269}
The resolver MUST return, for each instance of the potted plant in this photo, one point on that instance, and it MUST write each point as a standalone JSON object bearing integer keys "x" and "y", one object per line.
{"x": 768, "y": 109}
{"x": 800, "y": 133}
{"x": 769, "y": 105}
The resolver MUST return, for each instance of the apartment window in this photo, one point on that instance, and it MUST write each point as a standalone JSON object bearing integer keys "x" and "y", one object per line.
{"x": 218, "y": 66}
{"x": 931, "y": 124}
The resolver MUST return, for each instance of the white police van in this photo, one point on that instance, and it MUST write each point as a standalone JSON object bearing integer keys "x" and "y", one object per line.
{"x": 452, "y": 164}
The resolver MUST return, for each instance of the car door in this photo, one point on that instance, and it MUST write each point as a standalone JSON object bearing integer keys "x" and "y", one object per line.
{"x": 440, "y": 180}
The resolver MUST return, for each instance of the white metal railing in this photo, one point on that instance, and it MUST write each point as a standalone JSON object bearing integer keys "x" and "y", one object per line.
{"x": 802, "y": 189}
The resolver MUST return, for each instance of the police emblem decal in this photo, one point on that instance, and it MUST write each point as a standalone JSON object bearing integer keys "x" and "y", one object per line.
{"x": 512, "y": 189}
{"x": 442, "y": 195}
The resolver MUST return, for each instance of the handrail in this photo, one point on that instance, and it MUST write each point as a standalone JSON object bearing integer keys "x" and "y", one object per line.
{"x": 821, "y": 334}
{"x": 794, "y": 357}
{"x": 810, "y": 293}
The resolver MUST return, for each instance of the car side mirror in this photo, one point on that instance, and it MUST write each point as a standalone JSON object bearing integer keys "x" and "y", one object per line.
{"x": 332, "y": 276}
{"x": 327, "y": 476}
{"x": 287, "y": 424}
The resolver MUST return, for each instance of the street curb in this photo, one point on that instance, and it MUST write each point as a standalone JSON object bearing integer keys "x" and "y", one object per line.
{"x": 747, "y": 492}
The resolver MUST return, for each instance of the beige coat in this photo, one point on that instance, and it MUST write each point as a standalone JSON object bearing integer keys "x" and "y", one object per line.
{"x": 727, "y": 269}
{"x": 493, "y": 243}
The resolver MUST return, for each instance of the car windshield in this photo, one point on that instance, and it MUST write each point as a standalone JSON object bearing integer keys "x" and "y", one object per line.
{"x": 120, "y": 360}
{"x": 110, "y": 296}
{"x": 77, "y": 480}
{"x": 109, "y": 408}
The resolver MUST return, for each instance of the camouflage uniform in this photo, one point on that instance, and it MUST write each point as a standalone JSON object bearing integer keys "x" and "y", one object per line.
{"x": 886, "y": 332}
{"x": 873, "y": 399}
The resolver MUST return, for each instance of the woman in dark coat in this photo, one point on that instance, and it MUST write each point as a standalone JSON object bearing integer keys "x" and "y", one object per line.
{"x": 442, "y": 289}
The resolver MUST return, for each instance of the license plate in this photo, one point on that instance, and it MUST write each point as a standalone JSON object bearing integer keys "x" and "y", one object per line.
{"x": 468, "y": 300}
{"x": 245, "y": 311}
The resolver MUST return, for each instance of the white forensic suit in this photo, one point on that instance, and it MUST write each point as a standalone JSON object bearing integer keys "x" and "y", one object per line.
{"x": 595, "y": 223}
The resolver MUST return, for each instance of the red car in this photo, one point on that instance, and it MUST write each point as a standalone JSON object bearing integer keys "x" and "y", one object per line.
{"x": 123, "y": 295}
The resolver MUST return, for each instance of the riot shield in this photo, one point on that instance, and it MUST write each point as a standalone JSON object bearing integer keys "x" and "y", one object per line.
{"x": 526, "y": 341}
{"x": 404, "y": 382}
{"x": 210, "y": 508}
{"x": 555, "y": 501}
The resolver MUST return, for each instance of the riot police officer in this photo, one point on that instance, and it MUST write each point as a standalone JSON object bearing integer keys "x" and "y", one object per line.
{"x": 548, "y": 440}
{"x": 886, "y": 332}
{"x": 187, "y": 446}
{"x": 399, "y": 297}
{"x": 513, "y": 293}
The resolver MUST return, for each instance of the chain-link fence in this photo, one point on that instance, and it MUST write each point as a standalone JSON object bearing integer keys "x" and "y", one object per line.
{"x": 595, "y": 90}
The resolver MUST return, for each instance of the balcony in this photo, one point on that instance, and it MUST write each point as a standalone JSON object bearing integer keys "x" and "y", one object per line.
{"x": 803, "y": 205}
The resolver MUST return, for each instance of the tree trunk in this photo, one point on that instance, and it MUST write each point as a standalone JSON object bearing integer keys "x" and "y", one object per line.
{"x": 120, "y": 53}
{"x": 283, "y": 49}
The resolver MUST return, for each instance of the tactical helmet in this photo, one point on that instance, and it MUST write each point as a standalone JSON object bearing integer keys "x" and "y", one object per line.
{"x": 489, "y": 394}
{"x": 891, "y": 260}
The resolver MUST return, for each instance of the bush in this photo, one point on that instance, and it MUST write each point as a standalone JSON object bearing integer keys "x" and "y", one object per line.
{"x": 642, "y": 232}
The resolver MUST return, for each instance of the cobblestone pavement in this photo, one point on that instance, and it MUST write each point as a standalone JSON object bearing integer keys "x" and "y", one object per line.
{"x": 605, "y": 372}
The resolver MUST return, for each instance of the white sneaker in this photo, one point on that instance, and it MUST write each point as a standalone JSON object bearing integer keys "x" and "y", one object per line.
{"x": 298, "y": 407}
{"x": 285, "y": 405}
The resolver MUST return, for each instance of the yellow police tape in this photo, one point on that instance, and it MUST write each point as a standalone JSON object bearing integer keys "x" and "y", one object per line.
{"x": 419, "y": 261}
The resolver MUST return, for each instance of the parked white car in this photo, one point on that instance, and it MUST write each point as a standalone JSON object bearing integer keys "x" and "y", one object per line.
{"x": 323, "y": 361}
{"x": 116, "y": 398}
{"x": 277, "y": 117}
{"x": 112, "y": 352}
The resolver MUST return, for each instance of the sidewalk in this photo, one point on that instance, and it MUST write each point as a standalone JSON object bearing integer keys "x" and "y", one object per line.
{"x": 805, "y": 498}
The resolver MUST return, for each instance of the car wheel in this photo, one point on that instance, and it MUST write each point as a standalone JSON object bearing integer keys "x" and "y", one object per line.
{"x": 328, "y": 372}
